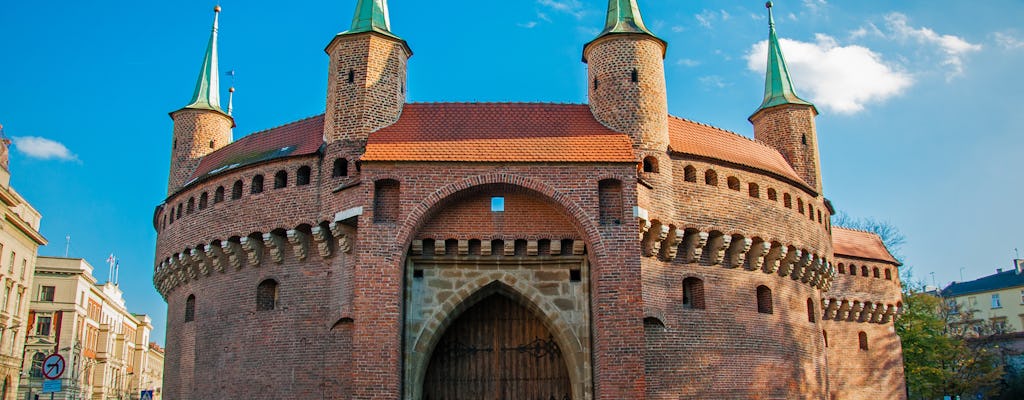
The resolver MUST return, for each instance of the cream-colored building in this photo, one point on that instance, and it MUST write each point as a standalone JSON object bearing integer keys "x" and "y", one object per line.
{"x": 105, "y": 346}
{"x": 152, "y": 377}
{"x": 997, "y": 298}
{"x": 19, "y": 241}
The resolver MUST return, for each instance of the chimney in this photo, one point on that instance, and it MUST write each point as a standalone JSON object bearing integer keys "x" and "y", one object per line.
{"x": 999, "y": 270}
{"x": 1018, "y": 264}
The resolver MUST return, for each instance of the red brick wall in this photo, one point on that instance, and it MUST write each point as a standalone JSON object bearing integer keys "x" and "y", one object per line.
{"x": 375, "y": 97}
{"x": 194, "y": 130}
{"x": 638, "y": 109}
{"x": 785, "y": 128}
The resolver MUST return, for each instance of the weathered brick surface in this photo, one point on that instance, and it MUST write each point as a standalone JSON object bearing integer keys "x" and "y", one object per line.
{"x": 355, "y": 320}
{"x": 196, "y": 134}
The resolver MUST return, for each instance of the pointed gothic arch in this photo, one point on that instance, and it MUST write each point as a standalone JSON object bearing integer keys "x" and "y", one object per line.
{"x": 426, "y": 339}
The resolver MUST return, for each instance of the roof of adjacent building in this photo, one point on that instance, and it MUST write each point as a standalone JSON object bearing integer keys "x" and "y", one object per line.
{"x": 860, "y": 244}
{"x": 998, "y": 281}
{"x": 498, "y": 132}
{"x": 298, "y": 138}
{"x": 699, "y": 139}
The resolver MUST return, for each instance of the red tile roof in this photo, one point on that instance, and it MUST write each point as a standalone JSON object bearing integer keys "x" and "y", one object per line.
{"x": 294, "y": 139}
{"x": 498, "y": 132}
{"x": 861, "y": 244}
{"x": 690, "y": 137}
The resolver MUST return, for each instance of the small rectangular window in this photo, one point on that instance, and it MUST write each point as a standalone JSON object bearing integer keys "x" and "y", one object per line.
{"x": 46, "y": 293}
{"x": 575, "y": 275}
{"x": 417, "y": 273}
{"x": 995, "y": 301}
{"x": 497, "y": 204}
{"x": 43, "y": 326}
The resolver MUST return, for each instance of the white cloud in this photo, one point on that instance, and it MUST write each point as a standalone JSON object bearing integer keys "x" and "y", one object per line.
{"x": 713, "y": 81}
{"x": 686, "y": 62}
{"x": 954, "y": 48}
{"x": 543, "y": 16}
{"x": 815, "y": 6}
{"x": 528, "y": 25}
{"x": 708, "y": 18}
{"x": 571, "y": 7}
{"x": 1008, "y": 41}
{"x": 678, "y": 29}
{"x": 43, "y": 148}
{"x": 868, "y": 30}
{"x": 844, "y": 79}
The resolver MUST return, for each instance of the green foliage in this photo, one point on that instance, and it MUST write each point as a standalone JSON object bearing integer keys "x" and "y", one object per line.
{"x": 938, "y": 359}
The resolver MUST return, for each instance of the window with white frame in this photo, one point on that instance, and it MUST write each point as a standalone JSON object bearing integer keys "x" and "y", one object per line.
{"x": 995, "y": 301}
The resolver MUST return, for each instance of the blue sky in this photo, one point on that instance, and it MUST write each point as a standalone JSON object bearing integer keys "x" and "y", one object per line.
{"x": 920, "y": 101}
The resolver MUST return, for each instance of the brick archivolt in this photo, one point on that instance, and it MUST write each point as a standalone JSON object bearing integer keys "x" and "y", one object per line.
{"x": 857, "y": 311}
{"x": 669, "y": 242}
{"x": 222, "y": 256}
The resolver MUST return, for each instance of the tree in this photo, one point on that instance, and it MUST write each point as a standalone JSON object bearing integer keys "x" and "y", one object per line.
{"x": 938, "y": 358}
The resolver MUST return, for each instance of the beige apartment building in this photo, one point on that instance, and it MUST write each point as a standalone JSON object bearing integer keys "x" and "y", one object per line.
{"x": 19, "y": 241}
{"x": 996, "y": 298}
{"x": 106, "y": 347}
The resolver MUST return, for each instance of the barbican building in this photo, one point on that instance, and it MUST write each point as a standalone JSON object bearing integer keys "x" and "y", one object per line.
{"x": 609, "y": 250}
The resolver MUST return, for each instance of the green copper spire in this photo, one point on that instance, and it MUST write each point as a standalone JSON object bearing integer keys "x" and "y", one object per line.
{"x": 371, "y": 16}
{"x": 207, "y": 94}
{"x": 778, "y": 88}
{"x": 624, "y": 17}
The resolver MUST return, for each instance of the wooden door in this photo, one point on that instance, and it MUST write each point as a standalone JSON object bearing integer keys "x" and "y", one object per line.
{"x": 497, "y": 350}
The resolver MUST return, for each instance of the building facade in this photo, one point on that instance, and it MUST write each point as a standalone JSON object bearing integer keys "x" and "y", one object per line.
{"x": 106, "y": 348}
{"x": 997, "y": 300}
{"x": 19, "y": 242}
{"x": 609, "y": 250}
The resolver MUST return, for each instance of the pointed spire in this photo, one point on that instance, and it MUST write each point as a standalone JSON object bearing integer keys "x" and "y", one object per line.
{"x": 207, "y": 94}
{"x": 624, "y": 18}
{"x": 371, "y": 16}
{"x": 778, "y": 87}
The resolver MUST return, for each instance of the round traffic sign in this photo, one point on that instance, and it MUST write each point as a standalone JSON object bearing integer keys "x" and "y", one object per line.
{"x": 53, "y": 366}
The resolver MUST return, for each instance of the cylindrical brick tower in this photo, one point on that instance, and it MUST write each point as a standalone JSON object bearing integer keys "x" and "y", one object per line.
{"x": 201, "y": 127}
{"x": 626, "y": 77}
{"x": 366, "y": 82}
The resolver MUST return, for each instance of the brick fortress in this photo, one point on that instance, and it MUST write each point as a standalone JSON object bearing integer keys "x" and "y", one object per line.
{"x": 388, "y": 250}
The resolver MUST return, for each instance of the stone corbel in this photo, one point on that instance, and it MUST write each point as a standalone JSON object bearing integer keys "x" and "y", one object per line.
{"x": 653, "y": 238}
{"x": 276, "y": 245}
{"x": 253, "y": 250}
{"x": 417, "y": 247}
{"x": 865, "y": 314}
{"x": 199, "y": 260}
{"x": 642, "y": 220}
{"x": 485, "y": 247}
{"x": 831, "y": 309}
{"x": 186, "y": 263}
{"x": 300, "y": 243}
{"x": 510, "y": 247}
{"x": 216, "y": 257}
{"x": 693, "y": 245}
{"x": 531, "y": 247}
{"x": 556, "y": 247}
{"x": 773, "y": 258}
{"x": 811, "y": 269}
{"x": 890, "y": 312}
{"x": 788, "y": 262}
{"x": 756, "y": 256}
{"x": 344, "y": 239}
{"x": 737, "y": 252}
{"x": 325, "y": 240}
{"x": 233, "y": 251}
{"x": 717, "y": 245}
{"x": 440, "y": 247}
{"x": 800, "y": 267}
{"x": 670, "y": 246}
{"x": 844, "y": 311}
{"x": 855, "y": 310}
{"x": 578, "y": 247}
{"x": 876, "y": 316}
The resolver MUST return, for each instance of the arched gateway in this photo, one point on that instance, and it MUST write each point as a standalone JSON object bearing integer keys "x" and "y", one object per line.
{"x": 497, "y": 349}
{"x": 500, "y": 308}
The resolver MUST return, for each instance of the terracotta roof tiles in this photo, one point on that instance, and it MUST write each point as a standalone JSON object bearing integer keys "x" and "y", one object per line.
{"x": 294, "y": 139}
{"x": 498, "y": 132}
{"x": 691, "y": 137}
{"x": 861, "y": 244}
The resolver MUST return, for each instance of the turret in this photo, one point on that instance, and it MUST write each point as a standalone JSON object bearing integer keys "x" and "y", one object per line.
{"x": 366, "y": 82}
{"x": 784, "y": 120}
{"x": 626, "y": 77}
{"x": 201, "y": 127}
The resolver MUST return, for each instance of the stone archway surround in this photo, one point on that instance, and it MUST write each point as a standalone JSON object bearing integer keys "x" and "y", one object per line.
{"x": 570, "y": 331}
